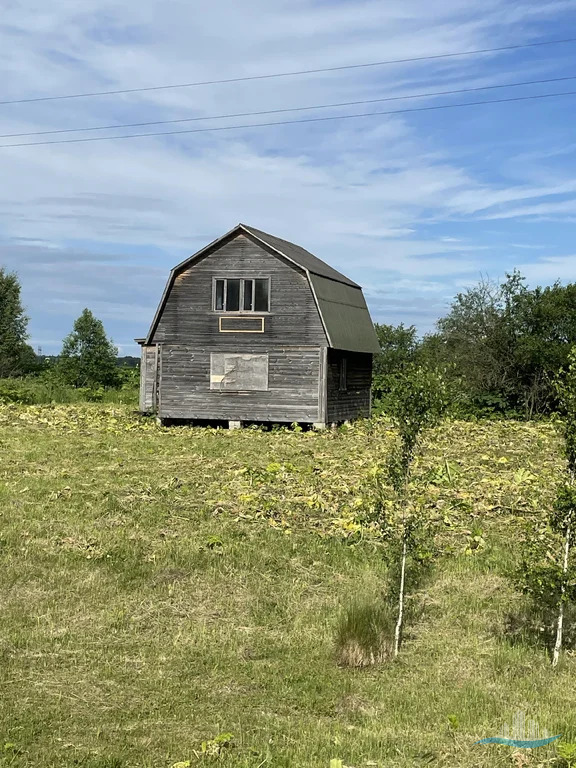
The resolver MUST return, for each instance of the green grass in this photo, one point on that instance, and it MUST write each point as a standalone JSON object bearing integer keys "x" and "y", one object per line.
{"x": 160, "y": 587}
{"x": 44, "y": 390}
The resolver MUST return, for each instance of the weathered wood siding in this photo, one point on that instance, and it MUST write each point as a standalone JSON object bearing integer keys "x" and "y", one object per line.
{"x": 354, "y": 401}
{"x": 292, "y": 394}
{"x": 148, "y": 374}
{"x": 189, "y": 318}
{"x": 188, "y": 332}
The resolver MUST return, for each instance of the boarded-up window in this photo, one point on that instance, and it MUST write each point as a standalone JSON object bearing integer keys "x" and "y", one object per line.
{"x": 238, "y": 373}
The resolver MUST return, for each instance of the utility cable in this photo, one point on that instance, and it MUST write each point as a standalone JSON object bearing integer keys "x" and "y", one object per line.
{"x": 296, "y": 73}
{"x": 291, "y": 122}
{"x": 288, "y": 109}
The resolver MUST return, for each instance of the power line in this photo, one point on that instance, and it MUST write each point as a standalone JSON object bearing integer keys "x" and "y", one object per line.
{"x": 291, "y": 74}
{"x": 288, "y": 109}
{"x": 290, "y": 122}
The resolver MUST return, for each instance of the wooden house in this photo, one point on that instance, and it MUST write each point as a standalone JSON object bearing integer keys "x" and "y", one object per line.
{"x": 253, "y": 328}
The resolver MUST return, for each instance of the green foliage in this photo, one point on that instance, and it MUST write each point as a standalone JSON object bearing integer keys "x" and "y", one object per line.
{"x": 453, "y": 722}
{"x": 214, "y": 747}
{"x": 418, "y": 399}
{"x": 16, "y": 356}
{"x": 501, "y": 346}
{"x": 548, "y": 570}
{"x": 88, "y": 358}
{"x": 567, "y": 752}
{"x": 121, "y": 636}
{"x": 398, "y": 347}
{"x": 49, "y": 387}
{"x": 565, "y": 385}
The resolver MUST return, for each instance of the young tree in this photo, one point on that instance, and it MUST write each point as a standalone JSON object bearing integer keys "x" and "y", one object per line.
{"x": 418, "y": 399}
{"x": 16, "y": 356}
{"x": 548, "y": 571}
{"x": 563, "y": 518}
{"x": 88, "y": 358}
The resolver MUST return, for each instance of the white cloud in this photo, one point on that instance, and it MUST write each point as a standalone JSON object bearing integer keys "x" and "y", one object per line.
{"x": 549, "y": 269}
{"x": 358, "y": 193}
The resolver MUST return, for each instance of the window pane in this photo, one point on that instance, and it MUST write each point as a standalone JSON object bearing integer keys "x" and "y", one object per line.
{"x": 261, "y": 295}
{"x": 248, "y": 286}
{"x": 219, "y": 294}
{"x": 232, "y": 295}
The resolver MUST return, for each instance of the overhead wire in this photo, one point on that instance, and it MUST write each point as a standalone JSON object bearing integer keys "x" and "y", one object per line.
{"x": 295, "y": 73}
{"x": 292, "y": 122}
{"x": 288, "y": 109}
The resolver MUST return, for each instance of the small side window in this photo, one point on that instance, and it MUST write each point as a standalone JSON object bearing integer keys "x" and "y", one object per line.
{"x": 343, "y": 374}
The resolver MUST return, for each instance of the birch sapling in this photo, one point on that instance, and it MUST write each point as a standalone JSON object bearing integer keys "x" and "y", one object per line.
{"x": 418, "y": 400}
{"x": 565, "y": 510}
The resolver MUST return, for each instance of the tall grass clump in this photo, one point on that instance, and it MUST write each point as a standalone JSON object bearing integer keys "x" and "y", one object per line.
{"x": 365, "y": 634}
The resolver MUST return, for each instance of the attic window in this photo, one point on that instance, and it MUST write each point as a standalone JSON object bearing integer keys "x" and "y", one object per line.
{"x": 242, "y": 294}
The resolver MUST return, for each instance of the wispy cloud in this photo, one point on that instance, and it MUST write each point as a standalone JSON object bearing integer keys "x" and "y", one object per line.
{"x": 396, "y": 201}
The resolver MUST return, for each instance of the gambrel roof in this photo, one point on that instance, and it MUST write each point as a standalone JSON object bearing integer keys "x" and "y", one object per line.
{"x": 300, "y": 256}
{"x": 340, "y": 301}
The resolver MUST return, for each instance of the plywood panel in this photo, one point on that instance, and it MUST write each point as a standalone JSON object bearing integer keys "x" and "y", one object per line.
{"x": 238, "y": 373}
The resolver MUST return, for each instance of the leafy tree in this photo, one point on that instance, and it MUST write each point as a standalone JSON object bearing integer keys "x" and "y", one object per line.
{"x": 88, "y": 358}
{"x": 545, "y": 331}
{"x": 398, "y": 348}
{"x": 478, "y": 334}
{"x": 564, "y": 516}
{"x": 548, "y": 572}
{"x": 506, "y": 343}
{"x": 418, "y": 398}
{"x": 16, "y": 356}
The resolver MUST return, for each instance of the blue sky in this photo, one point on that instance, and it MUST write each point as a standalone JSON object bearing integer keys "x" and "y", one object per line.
{"x": 415, "y": 207}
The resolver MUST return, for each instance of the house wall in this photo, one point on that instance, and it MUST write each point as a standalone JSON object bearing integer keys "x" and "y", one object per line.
{"x": 188, "y": 331}
{"x": 292, "y": 395}
{"x": 354, "y": 401}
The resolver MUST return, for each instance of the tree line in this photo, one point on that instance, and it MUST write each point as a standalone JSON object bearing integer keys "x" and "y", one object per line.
{"x": 499, "y": 347}
{"x": 88, "y": 359}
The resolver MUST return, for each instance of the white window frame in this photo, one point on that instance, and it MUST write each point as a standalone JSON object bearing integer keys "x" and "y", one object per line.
{"x": 241, "y": 310}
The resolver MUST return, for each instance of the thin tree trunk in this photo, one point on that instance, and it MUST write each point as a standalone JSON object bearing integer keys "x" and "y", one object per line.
{"x": 560, "y": 625}
{"x": 400, "y": 599}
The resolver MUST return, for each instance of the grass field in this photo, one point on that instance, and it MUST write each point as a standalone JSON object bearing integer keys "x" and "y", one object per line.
{"x": 162, "y": 587}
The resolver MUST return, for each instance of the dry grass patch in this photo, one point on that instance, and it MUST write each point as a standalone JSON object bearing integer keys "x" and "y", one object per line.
{"x": 365, "y": 634}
